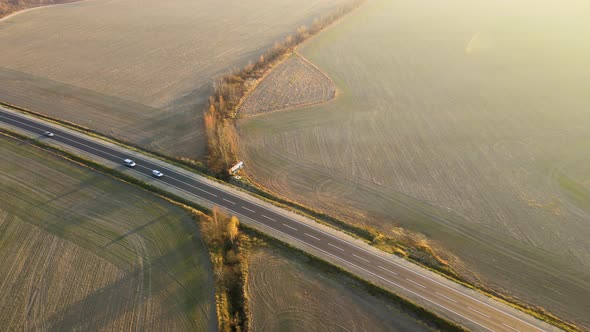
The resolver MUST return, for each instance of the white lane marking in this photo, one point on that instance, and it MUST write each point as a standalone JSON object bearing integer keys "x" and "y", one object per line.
{"x": 479, "y": 312}
{"x": 412, "y": 281}
{"x": 245, "y": 208}
{"x": 110, "y": 154}
{"x": 311, "y": 236}
{"x": 381, "y": 267}
{"x": 335, "y": 247}
{"x": 267, "y": 217}
{"x": 510, "y": 327}
{"x": 293, "y": 228}
{"x": 446, "y": 297}
{"x": 380, "y": 277}
{"x": 227, "y": 200}
{"x": 306, "y": 225}
{"x": 359, "y": 257}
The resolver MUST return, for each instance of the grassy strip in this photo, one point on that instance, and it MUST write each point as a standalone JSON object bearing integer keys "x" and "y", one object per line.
{"x": 222, "y": 235}
{"x": 421, "y": 313}
{"x": 231, "y": 89}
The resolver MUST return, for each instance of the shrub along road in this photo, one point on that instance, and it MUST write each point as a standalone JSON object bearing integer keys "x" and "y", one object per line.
{"x": 444, "y": 297}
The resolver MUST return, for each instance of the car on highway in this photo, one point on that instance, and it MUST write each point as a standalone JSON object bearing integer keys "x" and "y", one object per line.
{"x": 48, "y": 134}
{"x": 129, "y": 163}
{"x": 157, "y": 173}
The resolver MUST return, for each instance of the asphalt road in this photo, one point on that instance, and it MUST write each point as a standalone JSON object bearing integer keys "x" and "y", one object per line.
{"x": 455, "y": 304}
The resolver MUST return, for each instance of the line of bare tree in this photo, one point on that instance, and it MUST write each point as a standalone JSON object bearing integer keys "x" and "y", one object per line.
{"x": 230, "y": 90}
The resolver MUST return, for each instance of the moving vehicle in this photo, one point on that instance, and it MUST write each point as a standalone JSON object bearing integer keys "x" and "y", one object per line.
{"x": 48, "y": 134}
{"x": 157, "y": 173}
{"x": 129, "y": 163}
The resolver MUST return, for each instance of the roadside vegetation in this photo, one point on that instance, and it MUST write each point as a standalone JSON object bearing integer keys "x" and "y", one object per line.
{"x": 224, "y": 240}
{"x": 230, "y": 90}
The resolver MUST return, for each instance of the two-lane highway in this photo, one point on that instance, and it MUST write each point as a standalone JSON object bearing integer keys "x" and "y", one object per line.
{"x": 440, "y": 295}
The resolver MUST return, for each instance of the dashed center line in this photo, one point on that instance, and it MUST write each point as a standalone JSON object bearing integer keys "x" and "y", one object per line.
{"x": 227, "y": 200}
{"x": 359, "y": 257}
{"x": 412, "y": 281}
{"x": 267, "y": 217}
{"x": 311, "y": 236}
{"x": 245, "y": 208}
{"x": 331, "y": 245}
{"x": 479, "y": 312}
{"x": 203, "y": 190}
{"x": 510, "y": 327}
{"x": 291, "y": 227}
{"x": 446, "y": 297}
{"x": 381, "y": 267}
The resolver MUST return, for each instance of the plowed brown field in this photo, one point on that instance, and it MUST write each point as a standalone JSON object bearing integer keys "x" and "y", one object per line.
{"x": 81, "y": 251}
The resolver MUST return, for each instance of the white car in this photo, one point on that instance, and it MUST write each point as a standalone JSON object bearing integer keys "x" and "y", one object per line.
{"x": 157, "y": 173}
{"x": 129, "y": 163}
{"x": 48, "y": 134}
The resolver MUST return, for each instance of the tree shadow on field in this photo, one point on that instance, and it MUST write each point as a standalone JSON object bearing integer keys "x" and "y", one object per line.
{"x": 136, "y": 230}
{"x": 164, "y": 280}
{"x": 90, "y": 182}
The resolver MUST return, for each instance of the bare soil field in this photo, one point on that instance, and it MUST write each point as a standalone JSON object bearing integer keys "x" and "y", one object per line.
{"x": 463, "y": 122}
{"x": 294, "y": 82}
{"x": 82, "y": 251}
{"x": 141, "y": 71}
{"x": 288, "y": 294}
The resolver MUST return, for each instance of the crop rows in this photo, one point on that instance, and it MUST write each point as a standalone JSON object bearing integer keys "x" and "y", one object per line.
{"x": 81, "y": 251}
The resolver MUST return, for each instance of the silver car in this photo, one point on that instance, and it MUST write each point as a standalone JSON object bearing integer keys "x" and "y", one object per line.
{"x": 129, "y": 163}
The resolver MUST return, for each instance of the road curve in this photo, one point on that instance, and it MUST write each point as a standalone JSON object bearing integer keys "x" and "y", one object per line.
{"x": 454, "y": 302}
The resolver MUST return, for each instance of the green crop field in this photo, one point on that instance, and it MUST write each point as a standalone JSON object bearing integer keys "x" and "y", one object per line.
{"x": 82, "y": 251}
{"x": 140, "y": 71}
{"x": 288, "y": 294}
{"x": 467, "y": 121}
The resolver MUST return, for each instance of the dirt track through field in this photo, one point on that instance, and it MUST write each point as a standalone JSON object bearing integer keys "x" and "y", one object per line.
{"x": 81, "y": 251}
